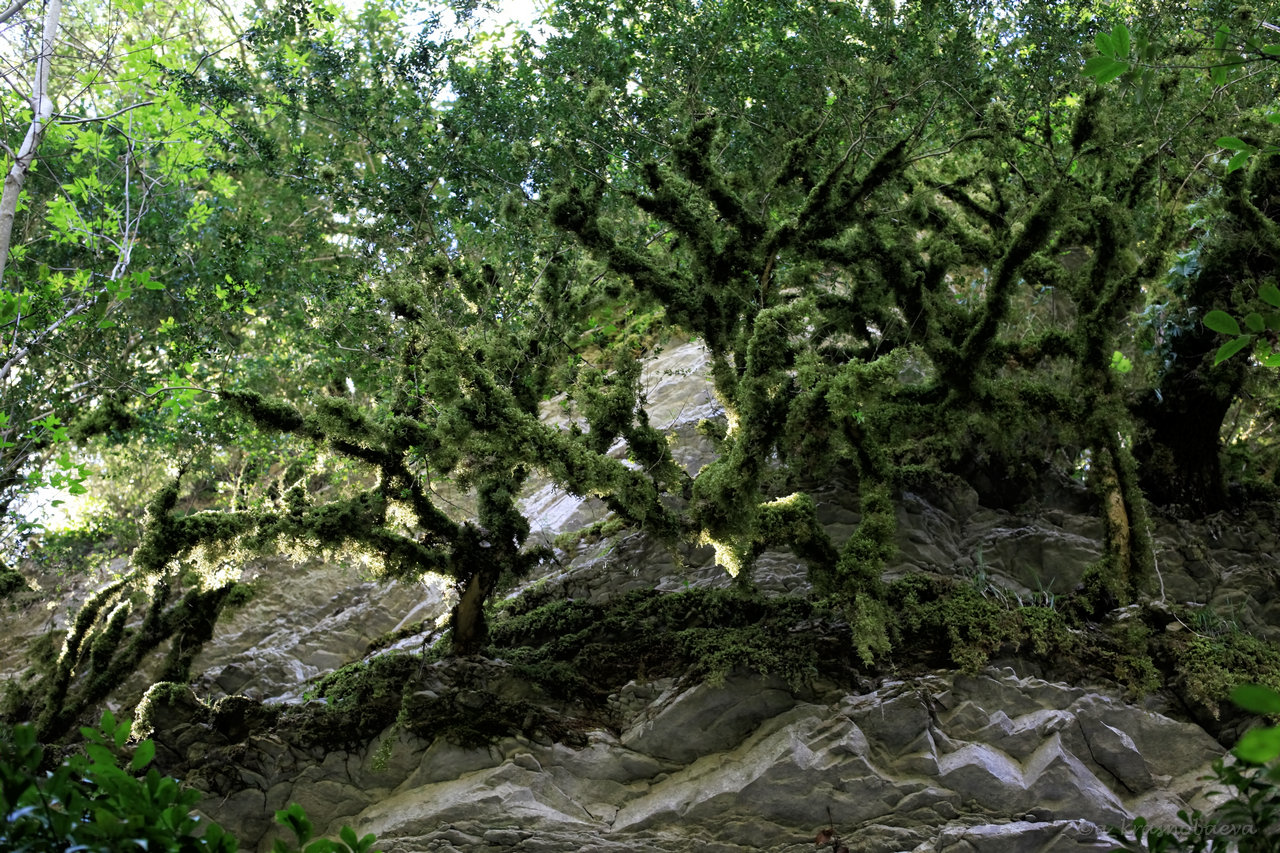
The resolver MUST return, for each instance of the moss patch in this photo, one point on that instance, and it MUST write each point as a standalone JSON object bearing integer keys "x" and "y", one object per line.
{"x": 584, "y": 651}
{"x": 11, "y": 581}
{"x": 1206, "y": 668}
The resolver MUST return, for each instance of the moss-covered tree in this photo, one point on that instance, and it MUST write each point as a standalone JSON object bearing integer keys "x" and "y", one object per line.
{"x": 915, "y": 240}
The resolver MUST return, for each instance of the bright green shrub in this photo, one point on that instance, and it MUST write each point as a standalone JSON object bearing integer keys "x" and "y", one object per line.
{"x": 93, "y": 802}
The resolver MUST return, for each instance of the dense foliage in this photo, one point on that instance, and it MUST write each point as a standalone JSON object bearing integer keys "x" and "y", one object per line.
{"x": 307, "y": 289}
{"x": 96, "y": 801}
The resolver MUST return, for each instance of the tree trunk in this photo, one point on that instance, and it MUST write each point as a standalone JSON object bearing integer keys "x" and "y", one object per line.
{"x": 470, "y": 629}
{"x": 1178, "y": 450}
{"x": 42, "y": 109}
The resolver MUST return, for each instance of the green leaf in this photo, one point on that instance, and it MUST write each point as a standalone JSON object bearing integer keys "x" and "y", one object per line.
{"x": 1234, "y": 143}
{"x": 1221, "y": 321}
{"x": 1220, "y": 37}
{"x": 1259, "y": 746}
{"x": 1256, "y": 699}
{"x": 1270, "y": 294}
{"x": 1253, "y": 322}
{"x": 143, "y": 755}
{"x": 1230, "y": 348}
{"x": 1096, "y": 65}
{"x": 1238, "y": 160}
{"x": 348, "y": 836}
{"x": 1104, "y": 44}
{"x": 1111, "y": 73}
{"x": 1271, "y": 49}
{"x": 1120, "y": 37}
{"x": 1218, "y": 74}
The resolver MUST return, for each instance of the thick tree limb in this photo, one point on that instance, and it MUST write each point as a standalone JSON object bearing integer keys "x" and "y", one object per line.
{"x": 12, "y": 10}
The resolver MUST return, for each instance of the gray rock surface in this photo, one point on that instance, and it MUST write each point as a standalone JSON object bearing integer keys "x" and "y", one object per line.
{"x": 993, "y": 762}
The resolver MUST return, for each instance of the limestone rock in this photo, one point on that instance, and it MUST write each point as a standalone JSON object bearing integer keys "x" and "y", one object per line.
{"x": 997, "y": 761}
{"x": 707, "y": 718}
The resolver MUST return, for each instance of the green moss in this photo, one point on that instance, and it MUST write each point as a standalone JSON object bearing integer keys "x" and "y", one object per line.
{"x": 361, "y": 699}
{"x": 1207, "y": 668}
{"x": 1124, "y": 653}
{"x": 603, "y": 529}
{"x": 159, "y": 697}
{"x": 1047, "y": 633}
{"x": 936, "y": 616}
{"x": 573, "y": 649}
{"x": 869, "y": 622}
{"x": 239, "y": 594}
{"x": 11, "y": 581}
{"x": 1101, "y": 590}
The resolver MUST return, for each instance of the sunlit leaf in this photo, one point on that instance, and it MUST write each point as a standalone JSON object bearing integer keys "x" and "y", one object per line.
{"x": 1120, "y": 38}
{"x": 1112, "y": 72}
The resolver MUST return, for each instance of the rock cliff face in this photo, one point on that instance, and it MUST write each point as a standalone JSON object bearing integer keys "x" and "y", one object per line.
{"x": 1015, "y": 758}
{"x": 937, "y": 762}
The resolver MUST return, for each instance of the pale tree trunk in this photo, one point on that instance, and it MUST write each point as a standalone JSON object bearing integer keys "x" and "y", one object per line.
{"x": 42, "y": 109}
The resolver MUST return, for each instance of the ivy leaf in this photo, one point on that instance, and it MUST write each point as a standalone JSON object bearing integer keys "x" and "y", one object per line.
{"x": 1221, "y": 321}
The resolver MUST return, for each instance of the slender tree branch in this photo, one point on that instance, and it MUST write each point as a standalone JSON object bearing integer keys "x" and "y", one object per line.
{"x": 122, "y": 111}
